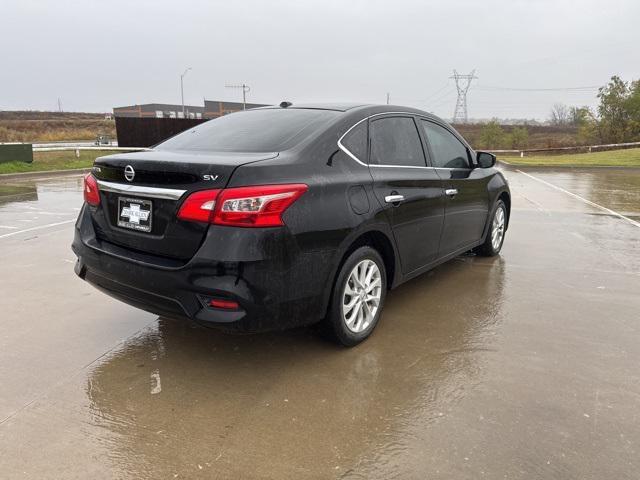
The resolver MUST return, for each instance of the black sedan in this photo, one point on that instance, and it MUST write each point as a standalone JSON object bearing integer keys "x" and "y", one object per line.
{"x": 285, "y": 216}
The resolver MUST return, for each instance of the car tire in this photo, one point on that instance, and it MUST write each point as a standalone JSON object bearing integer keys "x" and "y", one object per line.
{"x": 357, "y": 298}
{"x": 495, "y": 234}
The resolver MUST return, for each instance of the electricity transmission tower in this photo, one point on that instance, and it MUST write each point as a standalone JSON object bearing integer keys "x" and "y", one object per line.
{"x": 463, "y": 82}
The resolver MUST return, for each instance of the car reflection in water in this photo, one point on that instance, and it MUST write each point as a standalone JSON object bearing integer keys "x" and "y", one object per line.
{"x": 178, "y": 397}
{"x": 18, "y": 193}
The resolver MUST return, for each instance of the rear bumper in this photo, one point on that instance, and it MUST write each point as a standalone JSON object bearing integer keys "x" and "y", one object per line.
{"x": 275, "y": 285}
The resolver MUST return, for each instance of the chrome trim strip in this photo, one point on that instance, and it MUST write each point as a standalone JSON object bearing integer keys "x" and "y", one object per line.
{"x": 399, "y": 166}
{"x": 346, "y": 150}
{"x": 453, "y": 168}
{"x": 153, "y": 192}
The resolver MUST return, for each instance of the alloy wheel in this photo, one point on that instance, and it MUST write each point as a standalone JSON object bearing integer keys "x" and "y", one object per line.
{"x": 361, "y": 296}
{"x": 497, "y": 228}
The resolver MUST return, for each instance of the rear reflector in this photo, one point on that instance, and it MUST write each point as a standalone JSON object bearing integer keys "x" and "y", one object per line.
{"x": 91, "y": 192}
{"x": 257, "y": 206}
{"x": 224, "y": 304}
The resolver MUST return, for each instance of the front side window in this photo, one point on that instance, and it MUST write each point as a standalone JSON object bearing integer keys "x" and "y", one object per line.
{"x": 395, "y": 141}
{"x": 356, "y": 141}
{"x": 448, "y": 151}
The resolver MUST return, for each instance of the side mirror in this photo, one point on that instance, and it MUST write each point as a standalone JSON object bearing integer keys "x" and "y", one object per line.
{"x": 485, "y": 159}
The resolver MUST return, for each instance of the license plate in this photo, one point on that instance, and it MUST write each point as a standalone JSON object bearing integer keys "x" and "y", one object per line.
{"x": 135, "y": 214}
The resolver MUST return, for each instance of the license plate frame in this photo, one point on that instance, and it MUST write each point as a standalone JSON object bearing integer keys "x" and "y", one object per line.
{"x": 139, "y": 219}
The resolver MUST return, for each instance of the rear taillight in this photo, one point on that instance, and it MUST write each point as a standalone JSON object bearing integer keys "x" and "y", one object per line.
{"x": 198, "y": 207}
{"x": 258, "y": 206}
{"x": 91, "y": 192}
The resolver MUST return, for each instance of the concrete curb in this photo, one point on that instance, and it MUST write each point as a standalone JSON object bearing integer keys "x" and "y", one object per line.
{"x": 45, "y": 173}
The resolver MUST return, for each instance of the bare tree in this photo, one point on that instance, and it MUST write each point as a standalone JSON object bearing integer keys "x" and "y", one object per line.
{"x": 560, "y": 114}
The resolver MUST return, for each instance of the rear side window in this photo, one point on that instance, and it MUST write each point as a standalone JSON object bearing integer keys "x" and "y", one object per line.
{"x": 268, "y": 130}
{"x": 448, "y": 151}
{"x": 395, "y": 141}
{"x": 356, "y": 141}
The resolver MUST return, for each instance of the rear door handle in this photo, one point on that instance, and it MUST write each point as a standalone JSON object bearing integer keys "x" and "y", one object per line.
{"x": 451, "y": 192}
{"x": 394, "y": 198}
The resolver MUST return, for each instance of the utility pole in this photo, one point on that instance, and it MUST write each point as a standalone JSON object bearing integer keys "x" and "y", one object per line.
{"x": 245, "y": 89}
{"x": 59, "y": 105}
{"x": 388, "y": 95}
{"x": 463, "y": 82}
{"x": 182, "y": 88}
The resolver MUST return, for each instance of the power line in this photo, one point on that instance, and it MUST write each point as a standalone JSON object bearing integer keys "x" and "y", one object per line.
{"x": 435, "y": 94}
{"x": 441, "y": 101}
{"x": 483, "y": 87}
{"x": 425, "y": 99}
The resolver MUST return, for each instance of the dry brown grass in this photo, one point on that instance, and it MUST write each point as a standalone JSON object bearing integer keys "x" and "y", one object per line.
{"x": 540, "y": 136}
{"x": 53, "y": 126}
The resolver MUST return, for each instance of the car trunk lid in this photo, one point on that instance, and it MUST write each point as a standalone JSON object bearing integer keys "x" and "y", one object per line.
{"x": 142, "y": 192}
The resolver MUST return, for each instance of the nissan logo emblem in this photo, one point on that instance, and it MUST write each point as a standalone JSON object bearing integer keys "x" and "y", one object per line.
{"x": 129, "y": 173}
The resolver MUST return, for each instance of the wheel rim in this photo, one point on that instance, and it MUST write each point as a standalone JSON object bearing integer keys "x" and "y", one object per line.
{"x": 497, "y": 228}
{"x": 361, "y": 296}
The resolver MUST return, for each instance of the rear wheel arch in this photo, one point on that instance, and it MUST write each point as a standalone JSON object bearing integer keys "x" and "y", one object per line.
{"x": 506, "y": 199}
{"x": 377, "y": 240}
{"x": 380, "y": 242}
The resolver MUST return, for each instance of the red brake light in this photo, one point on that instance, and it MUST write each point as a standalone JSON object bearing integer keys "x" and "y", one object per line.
{"x": 198, "y": 207}
{"x": 91, "y": 192}
{"x": 257, "y": 206}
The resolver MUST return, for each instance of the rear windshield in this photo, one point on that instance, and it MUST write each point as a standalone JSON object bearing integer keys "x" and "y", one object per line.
{"x": 270, "y": 130}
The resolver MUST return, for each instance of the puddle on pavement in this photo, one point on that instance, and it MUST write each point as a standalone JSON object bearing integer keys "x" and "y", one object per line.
{"x": 179, "y": 394}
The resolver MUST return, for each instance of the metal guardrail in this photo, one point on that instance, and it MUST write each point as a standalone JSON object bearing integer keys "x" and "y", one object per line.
{"x": 66, "y": 143}
{"x": 78, "y": 148}
{"x": 578, "y": 149}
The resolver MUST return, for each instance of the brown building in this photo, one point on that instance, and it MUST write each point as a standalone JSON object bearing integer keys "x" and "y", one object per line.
{"x": 211, "y": 109}
{"x": 214, "y": 109}
{"x": 159, "y": 110}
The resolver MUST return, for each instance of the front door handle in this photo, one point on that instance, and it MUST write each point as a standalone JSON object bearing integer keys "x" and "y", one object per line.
{"x": 394, "y": 198}
{"x": 452, "y": 192}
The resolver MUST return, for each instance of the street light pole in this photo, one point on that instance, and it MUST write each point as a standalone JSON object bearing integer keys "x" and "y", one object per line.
{"x": 182, "y": 88}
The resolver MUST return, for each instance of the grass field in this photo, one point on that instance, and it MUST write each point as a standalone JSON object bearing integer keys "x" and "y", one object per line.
{"x": 61, "y": 160}
{"x": 612, "y": 158}
{"x": 53, "y": 126}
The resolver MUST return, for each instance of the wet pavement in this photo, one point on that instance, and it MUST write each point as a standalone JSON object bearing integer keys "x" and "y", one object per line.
{"x": 521, "y": 366}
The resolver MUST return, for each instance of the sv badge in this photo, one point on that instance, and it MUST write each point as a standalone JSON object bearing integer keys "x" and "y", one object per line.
{"x": 210, "y": 177}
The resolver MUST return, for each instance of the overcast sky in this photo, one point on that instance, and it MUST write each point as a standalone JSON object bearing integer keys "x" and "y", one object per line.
{"x": 95, "y": 55}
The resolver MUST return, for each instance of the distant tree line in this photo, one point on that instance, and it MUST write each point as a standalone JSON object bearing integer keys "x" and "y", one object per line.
{"x": 615, "y": 120}
{"x": 493, "y": 136}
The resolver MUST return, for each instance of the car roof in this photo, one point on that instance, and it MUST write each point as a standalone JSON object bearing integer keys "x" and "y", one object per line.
{"x": 357, "y": 108}
{"x": 338, "y": 107}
